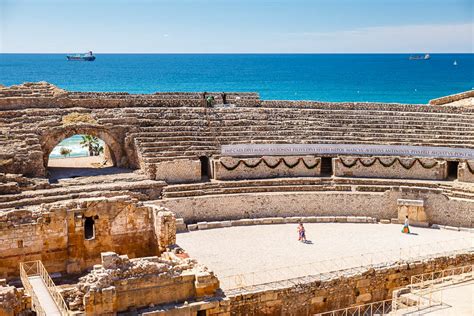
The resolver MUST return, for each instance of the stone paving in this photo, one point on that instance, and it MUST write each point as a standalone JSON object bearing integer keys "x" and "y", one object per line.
{"x": 247, "y": 249}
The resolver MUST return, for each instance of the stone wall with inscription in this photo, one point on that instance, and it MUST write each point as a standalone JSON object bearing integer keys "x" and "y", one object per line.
{"x": 347, "y": 149}
{"x": 390, "y": 167}
{"x": 231, "y": 168}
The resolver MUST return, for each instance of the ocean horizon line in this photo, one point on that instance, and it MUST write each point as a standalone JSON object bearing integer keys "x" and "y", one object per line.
{"x": 244, "y": 53}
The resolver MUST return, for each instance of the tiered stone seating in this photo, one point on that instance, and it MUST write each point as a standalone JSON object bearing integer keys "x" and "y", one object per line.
{"x": 131, "y": 184}
{"x": 449, "y": 189}
{"x": 169, "y": 126}
{"x": 172, "y": 126}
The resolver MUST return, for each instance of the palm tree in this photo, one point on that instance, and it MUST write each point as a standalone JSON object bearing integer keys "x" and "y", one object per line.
{"x": 65, "y": 151}
{"x": 90, "y": 142}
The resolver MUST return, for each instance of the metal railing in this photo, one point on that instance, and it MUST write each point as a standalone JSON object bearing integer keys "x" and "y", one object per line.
{"x": 375, "y": 308}
{"x": 289, "y": 275}
{"x": 35, "y": 305}
{"x": 427, "y": 287}
{"x": 440, "y": 277}
{"x": 416, "y": 300}
{"x": 36, "y": 268}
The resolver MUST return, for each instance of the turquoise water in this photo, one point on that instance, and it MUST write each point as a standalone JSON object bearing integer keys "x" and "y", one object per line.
{"x": 325, "y": 77}
{"x": 72, "y": 143}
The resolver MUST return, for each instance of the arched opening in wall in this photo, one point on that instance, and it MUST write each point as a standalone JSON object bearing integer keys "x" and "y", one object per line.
{"x": 79, "y": 156}
{"x": 89, "y": 228}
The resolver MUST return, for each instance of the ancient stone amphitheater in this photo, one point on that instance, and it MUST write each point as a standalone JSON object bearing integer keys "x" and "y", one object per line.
{"x": 194, "y": 161}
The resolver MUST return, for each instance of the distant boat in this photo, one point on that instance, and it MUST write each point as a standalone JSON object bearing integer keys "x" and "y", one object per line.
{"x": 455, "y": 63}
{"x": 82, "y": 57}
{"x": 419, "y": 57}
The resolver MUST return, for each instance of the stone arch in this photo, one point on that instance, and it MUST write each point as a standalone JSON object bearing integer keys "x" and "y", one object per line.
{"x": 114, "y": 139}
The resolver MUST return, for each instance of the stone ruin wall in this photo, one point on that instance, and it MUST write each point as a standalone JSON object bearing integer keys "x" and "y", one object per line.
{"x": 339, "y": 291}
{"x": 339, "y": 202}
{"x": 119, "y": 284}
{"x": 390, "y": 167}
{"x": 453, "y": 98}
{"x": 12, "y": 300}
{"x": 54, "y": 234}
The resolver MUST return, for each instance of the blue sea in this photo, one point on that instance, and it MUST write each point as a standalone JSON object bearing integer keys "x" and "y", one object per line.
{"x": 324, "y": 77}
{"x": 74, "y": 144}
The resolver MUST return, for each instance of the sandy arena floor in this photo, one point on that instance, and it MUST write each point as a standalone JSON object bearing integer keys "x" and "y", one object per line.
{"x": 247, "y": 249}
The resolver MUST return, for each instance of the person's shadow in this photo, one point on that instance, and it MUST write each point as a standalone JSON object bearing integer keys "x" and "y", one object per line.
{"x": 308, "y": 242}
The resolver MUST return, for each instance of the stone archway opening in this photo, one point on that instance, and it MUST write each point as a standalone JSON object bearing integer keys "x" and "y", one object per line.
{"x": 81, "y": 155}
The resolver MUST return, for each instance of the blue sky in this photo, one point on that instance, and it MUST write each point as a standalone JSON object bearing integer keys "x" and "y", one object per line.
{"x": 187, "y": 26}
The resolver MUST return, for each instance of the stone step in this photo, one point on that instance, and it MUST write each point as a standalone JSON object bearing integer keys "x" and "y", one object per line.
{"x": 256, "y": 189}
{"x": 149, "y": 188}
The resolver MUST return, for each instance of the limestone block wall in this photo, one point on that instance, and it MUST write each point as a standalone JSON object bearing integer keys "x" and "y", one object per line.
{"x": 55, "y": 234}
{"x": 257, "y": 205}
{"x": 338, "y": 291}
{"x": 177, "y": 171}
{"x": 466, "y": 171}
{"x": 439, "y": 208}
{"x": 232, "y": 168}
{"x": 164, "y": 227}
{"x": 414, "y": 209}
{"x": 31, "y": 235}
{"x": 390, "y": 167}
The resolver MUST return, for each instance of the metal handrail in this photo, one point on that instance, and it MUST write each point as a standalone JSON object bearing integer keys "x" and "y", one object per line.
{"x": 424, "y": 279}
{"x": 266, "y": 277}
{"x": 374, "y": 308}
{"x": 426, "y": 284}
{"x": 36, "y": 306}
{"x": 36, "y": 268}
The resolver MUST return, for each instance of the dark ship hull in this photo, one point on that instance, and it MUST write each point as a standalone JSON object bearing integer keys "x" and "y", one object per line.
{"x": 81, "y": 58}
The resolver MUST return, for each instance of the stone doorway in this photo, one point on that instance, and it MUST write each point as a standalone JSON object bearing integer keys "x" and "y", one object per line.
{"x": 453, "y": 170}
{"x": 205, "y": 168}
{"x": 326, "y": 167}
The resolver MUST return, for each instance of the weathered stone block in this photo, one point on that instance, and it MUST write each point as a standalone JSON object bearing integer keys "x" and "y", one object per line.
{"x": 202, "y": 225}
{"x": 363, "y": 298}
{"x": 242, "y": 222}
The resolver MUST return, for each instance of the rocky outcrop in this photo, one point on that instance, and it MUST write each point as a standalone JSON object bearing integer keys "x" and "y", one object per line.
{"x": 12, "y": 301}
{"x": 113, "y": 285}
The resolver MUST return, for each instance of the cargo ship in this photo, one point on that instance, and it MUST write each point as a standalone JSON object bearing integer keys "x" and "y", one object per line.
{"x": 420, "y": 57}
{"x": 82, "y": 57}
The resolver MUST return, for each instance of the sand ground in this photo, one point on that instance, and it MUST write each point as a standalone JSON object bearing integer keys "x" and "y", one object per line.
{"x": 246, "y": 249}
{"x": 65, "y": 168}
{"x": 77, "y": 162}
